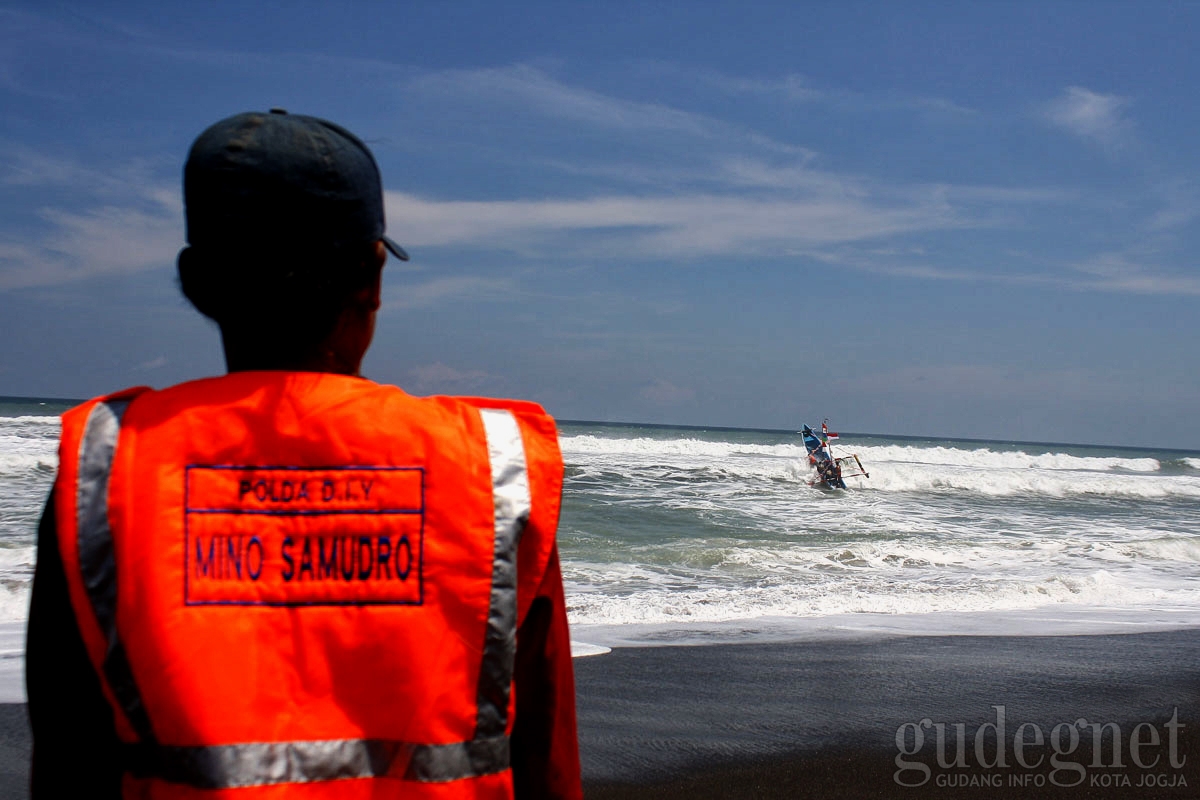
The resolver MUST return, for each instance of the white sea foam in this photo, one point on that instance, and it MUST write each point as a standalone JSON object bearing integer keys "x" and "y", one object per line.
{"x": 745, "y": 582}
{"x": 1057, "y": 620}
{"x": 12, "y": 662}
{"x": 28, "y": 446}
{"x": 935, "y": 529}
{"x": 582, "y": 649}
{"x": 31, "y": 420}
{"x": 14, "y": 600}
{"x": 910, "y": 477}
{"x": 27, "y": 464}
{"x": 1169, "y": 548}
{"x": 711, "y": 604}
{"x": 986, "y": 458}
{"x": 892, "y": 468}
{"x": 587, "y": 444}
{"x": 675, "y": 530}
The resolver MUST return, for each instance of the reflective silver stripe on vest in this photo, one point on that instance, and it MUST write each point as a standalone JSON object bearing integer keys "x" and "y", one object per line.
{"x": 96, "y": 560}
{"x": 510, "y": 497}
{"x": 262, "y": 764}
{"x": 97, "y": 563}
{"x": 258, "y": 764}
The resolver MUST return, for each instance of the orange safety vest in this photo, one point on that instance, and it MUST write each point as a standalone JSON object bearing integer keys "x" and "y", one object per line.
{"x": 307, "y": 585}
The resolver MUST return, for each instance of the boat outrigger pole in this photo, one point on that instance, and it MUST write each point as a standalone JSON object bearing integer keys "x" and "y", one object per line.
{"x": 860, "y": 466}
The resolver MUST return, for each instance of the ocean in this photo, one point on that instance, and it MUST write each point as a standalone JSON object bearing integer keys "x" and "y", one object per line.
{"x": 680, "y": 535}
{"x": 673, "y": 535}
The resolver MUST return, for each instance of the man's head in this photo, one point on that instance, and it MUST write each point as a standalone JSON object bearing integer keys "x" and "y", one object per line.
{"x": 286, "y": 231}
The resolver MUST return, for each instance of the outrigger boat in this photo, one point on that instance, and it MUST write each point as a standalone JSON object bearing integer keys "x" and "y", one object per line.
{"x": 831, "y": 471}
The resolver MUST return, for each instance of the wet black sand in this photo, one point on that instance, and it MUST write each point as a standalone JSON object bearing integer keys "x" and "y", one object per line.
{"x": 819, "y": 719}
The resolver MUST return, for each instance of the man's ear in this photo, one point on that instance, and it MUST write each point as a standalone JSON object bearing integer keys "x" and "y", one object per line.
{"x": 376, "y": 289}
{"x": 193, "y": 284}
{"x": 372, "y": 294}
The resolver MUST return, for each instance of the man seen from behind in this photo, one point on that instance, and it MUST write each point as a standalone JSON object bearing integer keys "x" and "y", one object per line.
{"x": 291, "y": 581}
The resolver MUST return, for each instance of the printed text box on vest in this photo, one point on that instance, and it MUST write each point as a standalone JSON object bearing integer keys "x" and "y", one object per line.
{"x": 303, "y": 536}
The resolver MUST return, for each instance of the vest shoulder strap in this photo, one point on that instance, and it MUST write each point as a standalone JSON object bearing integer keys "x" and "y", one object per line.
{"x": 87, "y": 449}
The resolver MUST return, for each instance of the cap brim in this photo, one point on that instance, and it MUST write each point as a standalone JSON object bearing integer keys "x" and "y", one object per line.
{"x": 395, "y": 249}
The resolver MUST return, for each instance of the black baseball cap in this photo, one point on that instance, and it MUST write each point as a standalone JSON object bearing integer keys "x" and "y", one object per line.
{"x": 286, "y": 180}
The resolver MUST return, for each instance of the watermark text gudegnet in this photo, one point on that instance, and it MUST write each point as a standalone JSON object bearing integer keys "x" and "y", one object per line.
{"x": 1143, "y": 754}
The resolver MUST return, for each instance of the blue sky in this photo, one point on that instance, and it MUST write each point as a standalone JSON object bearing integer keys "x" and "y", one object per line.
{"x": 944, "y": 219}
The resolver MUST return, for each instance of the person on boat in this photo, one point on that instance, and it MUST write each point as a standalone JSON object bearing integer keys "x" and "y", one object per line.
{"x": 290, "y": 579}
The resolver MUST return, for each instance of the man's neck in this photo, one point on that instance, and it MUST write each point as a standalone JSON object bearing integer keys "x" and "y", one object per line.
{"x": 245, "y": 356}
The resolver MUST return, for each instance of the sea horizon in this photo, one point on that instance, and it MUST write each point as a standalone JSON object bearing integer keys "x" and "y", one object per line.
{"x": 71, "y": 402}
{"x": 865, "y": 434}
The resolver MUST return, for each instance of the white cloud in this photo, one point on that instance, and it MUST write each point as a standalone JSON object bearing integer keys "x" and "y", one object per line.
{"x": 754, "y": 202}
{"x": 1151, "y": 284}
{"x": 796, "y": 89}
{"x": 103, "y": 241}
{"x": 134, "y": 181}
{"x": 529, "y": 87}
{"x": 791, "y": 88}
{"x": 107, "y": 222}
{"x": 1107, "y": 272}
{"x": 154, "y": 363}
{"x": 657, "y": 227}
{"x": 1091, "y": 115}
{"x": 1180, "y": 206}
{"x": 523, "y": 89}
{"x": 744, "y": 171}
{"x": 1117, "y": 272}
{"x": 438, "y": 377}
{"x": 664, "y": 393}
{"x": 423, "y": 295}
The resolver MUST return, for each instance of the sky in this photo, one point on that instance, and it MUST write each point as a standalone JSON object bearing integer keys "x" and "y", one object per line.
{"x": 931, "y": 219}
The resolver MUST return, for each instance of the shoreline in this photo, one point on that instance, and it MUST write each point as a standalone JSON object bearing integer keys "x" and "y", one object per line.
{"x": 820, "y": 718}
{"x": 1051, "y": 620}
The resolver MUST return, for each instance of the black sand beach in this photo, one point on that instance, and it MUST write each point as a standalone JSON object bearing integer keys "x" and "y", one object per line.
{"x": 14, "y": 751}
{"x": 819, "y": 719}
